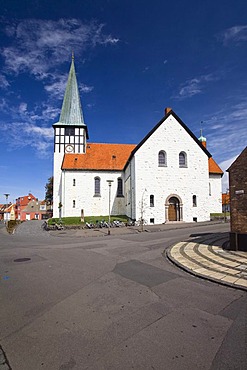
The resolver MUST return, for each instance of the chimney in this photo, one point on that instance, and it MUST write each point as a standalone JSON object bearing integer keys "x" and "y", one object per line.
{"x": 167, "y": 110}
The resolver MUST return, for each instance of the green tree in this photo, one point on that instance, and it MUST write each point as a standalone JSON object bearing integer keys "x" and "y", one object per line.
{"x": 49, "y": 190}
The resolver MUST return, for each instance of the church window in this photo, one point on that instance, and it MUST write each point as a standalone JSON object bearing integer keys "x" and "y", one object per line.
{"x": 73, "y": 182}
{"x": 151, "y": 200}
{"x": 69, "y": 131}
{"x": 73, "y": 203}
{"x": 119, "y": 187}
{"x": 210, "y": 192}
{"x": 96, "y": 186}
{"x": 162, "y": 159}
{"x": 182, "y": 159}
{"x": 194, "y": 200}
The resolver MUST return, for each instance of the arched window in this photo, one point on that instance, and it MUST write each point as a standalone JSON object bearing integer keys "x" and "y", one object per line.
{"x": 119, "y": 187}
{"x": 151, "y": 200}
{"x": 97, "y": 186}
{"x": 182, "y": 159}
{"x": 162, "y": 159}
{"x": 73, "y": 203}
{"x": 73, "y": 182}
{"x": 194, "y": 200}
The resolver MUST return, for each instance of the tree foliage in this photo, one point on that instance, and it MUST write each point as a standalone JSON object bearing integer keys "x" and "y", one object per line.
{"x": 49, "y": 190}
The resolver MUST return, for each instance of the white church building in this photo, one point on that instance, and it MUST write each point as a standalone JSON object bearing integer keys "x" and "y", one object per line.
{"x": 169, "y": 176}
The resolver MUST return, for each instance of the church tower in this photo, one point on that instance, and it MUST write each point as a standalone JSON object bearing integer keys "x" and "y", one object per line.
{"x": 70, "y": 135}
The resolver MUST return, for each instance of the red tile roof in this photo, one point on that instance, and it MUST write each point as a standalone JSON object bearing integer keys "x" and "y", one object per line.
{"x": 225, "y": 198}
{"x": 109, "y": 157}
{"x": 213, "y": 167}
{"x": 99, "y": 157}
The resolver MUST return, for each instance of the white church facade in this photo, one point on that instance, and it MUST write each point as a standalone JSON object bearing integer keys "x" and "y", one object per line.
{"x": 169, "y": 176}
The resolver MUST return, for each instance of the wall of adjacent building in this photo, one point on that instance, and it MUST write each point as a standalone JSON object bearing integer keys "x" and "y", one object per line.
{"x": 215, "y": 193}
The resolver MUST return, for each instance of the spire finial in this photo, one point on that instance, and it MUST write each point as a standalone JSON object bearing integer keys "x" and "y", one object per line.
{"x": 201, "y": 128}
{"x": 73, "y": 55}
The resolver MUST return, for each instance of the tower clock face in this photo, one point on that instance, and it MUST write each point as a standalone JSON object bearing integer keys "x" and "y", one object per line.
{"x": 69, "y": 148}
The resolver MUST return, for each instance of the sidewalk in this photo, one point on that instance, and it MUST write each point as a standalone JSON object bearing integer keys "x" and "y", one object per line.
{"x": 205, "y": 258}
{"x": 79, "y": 232}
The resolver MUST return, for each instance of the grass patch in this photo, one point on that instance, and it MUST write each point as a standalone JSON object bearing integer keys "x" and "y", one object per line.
{"x": 222, "y": 214}
{"x": 76, "y": 221}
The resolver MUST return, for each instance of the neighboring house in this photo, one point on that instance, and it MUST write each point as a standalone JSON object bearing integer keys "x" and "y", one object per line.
{"x": 238, "y": 202}
{"x": 168, "y": 176}
{"x": 21, "y": 204}
{"x": 2, "y": 208}
{"x": 9, "y": 213}
{"x": 225, "y": 202}
{"x": 35, "y": 210}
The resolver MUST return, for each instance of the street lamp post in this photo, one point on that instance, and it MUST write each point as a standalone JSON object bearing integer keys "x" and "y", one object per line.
{"x": 6, "y": 196}
{"x": 226, "y": 203}
{"x": 109, "y": 219}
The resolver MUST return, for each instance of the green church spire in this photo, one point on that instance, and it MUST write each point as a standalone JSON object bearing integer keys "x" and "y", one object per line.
{"x": 71, "y": 113}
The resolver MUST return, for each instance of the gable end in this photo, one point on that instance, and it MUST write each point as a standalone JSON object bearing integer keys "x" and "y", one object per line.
{"x": 158, "y": 125}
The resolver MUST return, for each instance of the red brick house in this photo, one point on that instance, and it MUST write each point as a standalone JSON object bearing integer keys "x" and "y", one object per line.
{"x": 238, "y": 202}
{"x": 35, "y": 210}
{"x": 21, "y": 204}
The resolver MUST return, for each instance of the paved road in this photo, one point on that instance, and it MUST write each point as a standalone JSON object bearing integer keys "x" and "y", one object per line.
{"x": 114, "y": 303}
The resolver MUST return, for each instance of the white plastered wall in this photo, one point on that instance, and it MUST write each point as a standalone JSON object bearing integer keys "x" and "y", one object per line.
{"x": 83, "y": 194}
{"x": 215, "y": 195}
{"x": 163, "y": 182}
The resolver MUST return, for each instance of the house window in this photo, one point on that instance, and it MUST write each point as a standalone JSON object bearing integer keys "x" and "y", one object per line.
{"x": 119, "y": 187}
{"x": 69, "y": 131}
{"x": 73, "y": 182}
{"x": 97, "y": 186}
{"x": 151, "y": 200}
{"x": 151, "y": 220}
{"x": 73, "y": 203}
{"x": 162, "y": 159}
{"x": 194, "y": 200}
{"x": 182, "y": 159}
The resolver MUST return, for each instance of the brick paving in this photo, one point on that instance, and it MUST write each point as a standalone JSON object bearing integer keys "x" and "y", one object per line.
{"x": 205, "y": 257}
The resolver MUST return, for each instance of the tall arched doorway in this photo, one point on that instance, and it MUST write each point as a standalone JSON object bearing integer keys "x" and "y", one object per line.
{"x": 174, "y": 208}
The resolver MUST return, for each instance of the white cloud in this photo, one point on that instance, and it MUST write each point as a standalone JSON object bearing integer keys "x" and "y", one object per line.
{"x": 40, "y": 45}
{"x": 46, "y": 132}
{"x": 195, "y": 85}
{"x": 57, "y": 88}
{"x": 29, "y": 127}
{"x": 84, "y": 88}
{"x": 3, "y": 82}
{"x": 226, "y": 133}
{"x": 146, "y": 69}
{"x": 234, "y": 34}
{"x": 24, "y": 134}
{"x": 23, "y": 107}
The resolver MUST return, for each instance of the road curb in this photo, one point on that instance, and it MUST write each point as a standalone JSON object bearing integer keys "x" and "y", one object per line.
{"x": 167, "y": 254}
{"x": 4, "y": 363}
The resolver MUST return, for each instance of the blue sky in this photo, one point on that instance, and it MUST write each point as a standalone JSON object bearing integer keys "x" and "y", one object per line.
{"x": 133, "y": 59}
